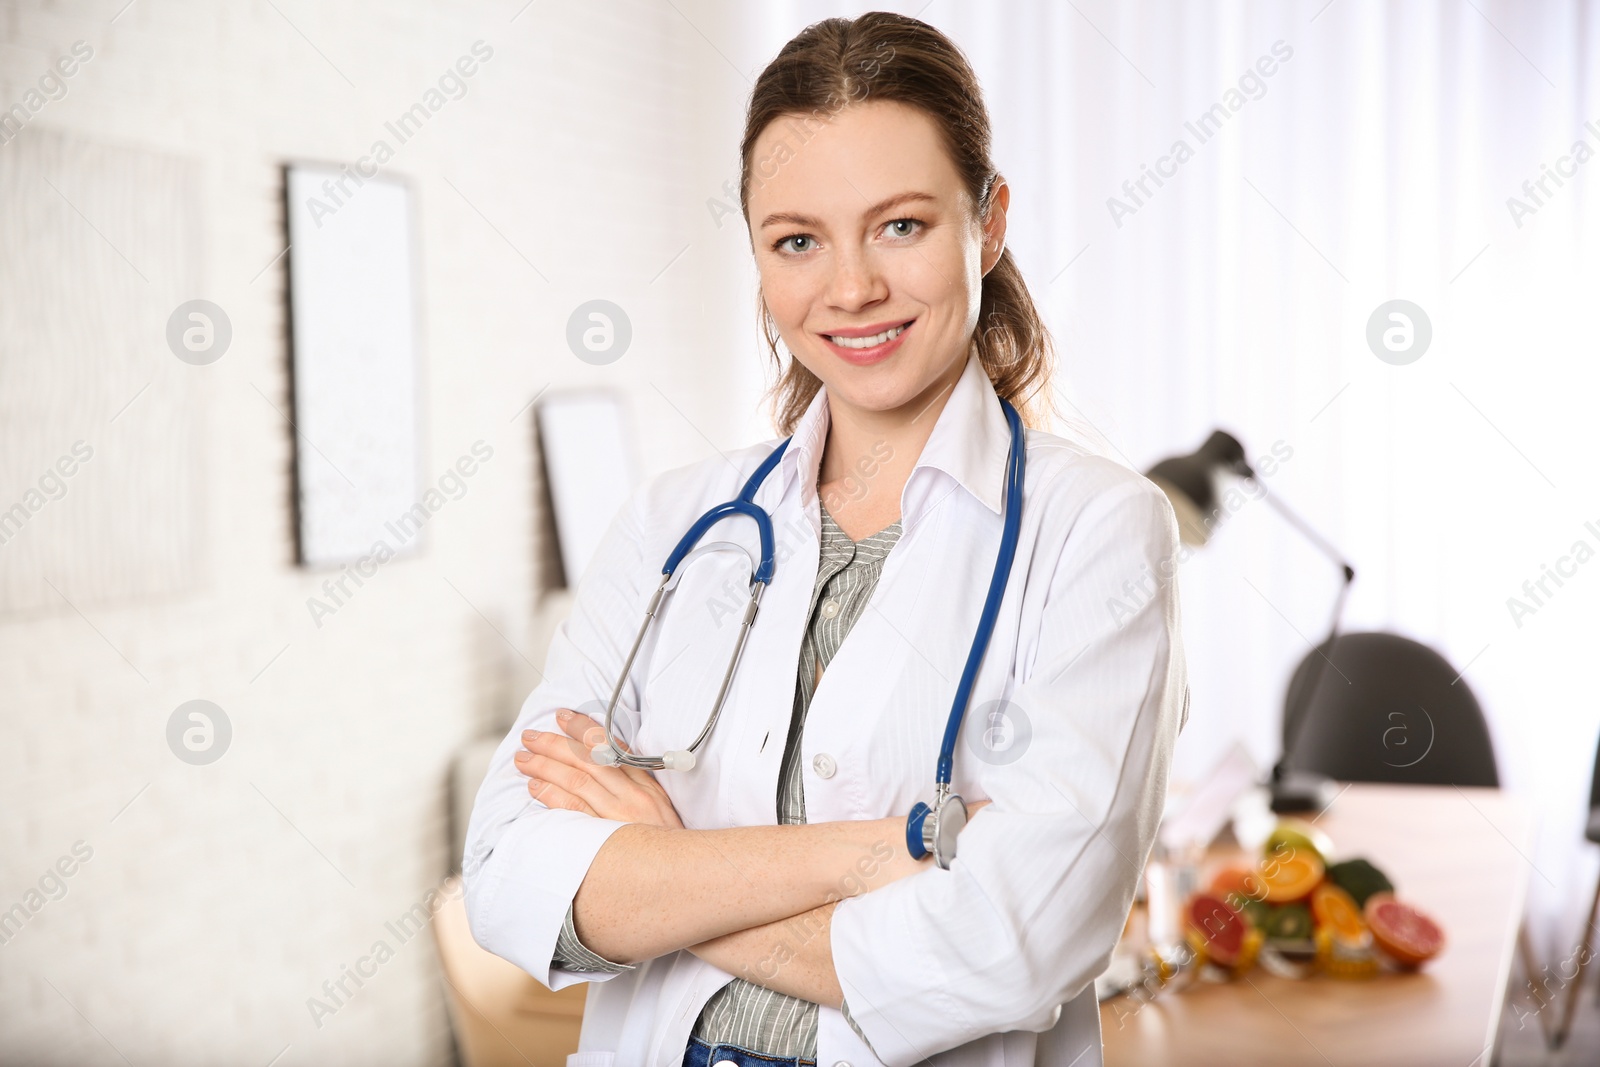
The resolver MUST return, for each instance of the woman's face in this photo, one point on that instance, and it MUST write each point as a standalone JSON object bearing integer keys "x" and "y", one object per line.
{"x": 862, "y": 227}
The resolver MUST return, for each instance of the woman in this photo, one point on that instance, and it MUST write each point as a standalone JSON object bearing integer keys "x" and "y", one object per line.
{"x": 763, "y": 906}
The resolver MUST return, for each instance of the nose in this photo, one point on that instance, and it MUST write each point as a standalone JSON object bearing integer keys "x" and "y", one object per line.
{"x": 856, "y": 281}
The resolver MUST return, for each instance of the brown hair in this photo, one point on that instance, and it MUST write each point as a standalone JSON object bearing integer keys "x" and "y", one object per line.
{"x": 884, "y": 56}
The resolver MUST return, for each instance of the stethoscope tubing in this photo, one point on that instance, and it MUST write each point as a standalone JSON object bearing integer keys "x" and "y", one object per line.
{"x": 991, "y": 605}
{"x": 762, "y": 576}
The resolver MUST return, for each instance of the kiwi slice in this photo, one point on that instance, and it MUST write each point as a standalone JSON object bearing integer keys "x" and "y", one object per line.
{"x": 1288, "y": 922}
{"x": 1256, "y": 912}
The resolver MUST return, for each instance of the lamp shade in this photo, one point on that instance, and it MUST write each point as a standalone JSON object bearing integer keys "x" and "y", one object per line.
{"x": 1190, "y": 482}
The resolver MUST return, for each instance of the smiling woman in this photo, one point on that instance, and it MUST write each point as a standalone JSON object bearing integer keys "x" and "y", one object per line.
{"x": 766, "y": 894}
{"x": 916, "y": 101}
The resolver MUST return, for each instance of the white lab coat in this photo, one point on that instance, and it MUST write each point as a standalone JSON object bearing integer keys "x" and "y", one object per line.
{"x": 991, "y": 962}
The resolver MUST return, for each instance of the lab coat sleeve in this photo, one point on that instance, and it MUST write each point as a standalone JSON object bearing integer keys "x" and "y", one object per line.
{"x": 523, "y": 861}
{"x": 1036, "y": 898}
{"x": 573, "y": 955}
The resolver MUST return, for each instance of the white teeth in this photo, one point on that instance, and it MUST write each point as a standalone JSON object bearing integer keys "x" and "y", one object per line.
{"x": 868, "y": 342}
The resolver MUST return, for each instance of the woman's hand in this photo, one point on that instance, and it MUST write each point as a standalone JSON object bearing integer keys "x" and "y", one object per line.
{"x": 561, "y": 774}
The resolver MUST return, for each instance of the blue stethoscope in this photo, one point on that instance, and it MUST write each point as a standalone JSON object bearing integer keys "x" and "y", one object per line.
{"x": 928, "y": 829}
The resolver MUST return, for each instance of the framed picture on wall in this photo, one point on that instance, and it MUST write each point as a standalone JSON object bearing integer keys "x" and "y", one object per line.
{"x": 590, "y": 466}
{"x": 354, "y": 366}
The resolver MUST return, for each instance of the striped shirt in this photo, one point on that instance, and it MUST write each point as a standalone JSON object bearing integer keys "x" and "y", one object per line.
{"x": 741, "y": 1012}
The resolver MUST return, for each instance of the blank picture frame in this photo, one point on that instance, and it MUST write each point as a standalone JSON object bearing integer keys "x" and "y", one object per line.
{"x": 354, "y": 365}
{"x": 590, "y": 467}
{"x": 98, "y": 422}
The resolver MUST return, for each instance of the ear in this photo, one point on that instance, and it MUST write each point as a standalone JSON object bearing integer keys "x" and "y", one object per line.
{"x": 994, "y": 224}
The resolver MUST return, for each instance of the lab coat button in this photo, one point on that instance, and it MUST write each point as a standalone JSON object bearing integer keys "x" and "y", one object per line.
{"x": 823, "y": 764}
{"x": 830, "y": 608}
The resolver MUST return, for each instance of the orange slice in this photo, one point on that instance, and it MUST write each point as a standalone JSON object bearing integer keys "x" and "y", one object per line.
{"x": 1288, "y": 875}
{"x": 1335, "y": 911}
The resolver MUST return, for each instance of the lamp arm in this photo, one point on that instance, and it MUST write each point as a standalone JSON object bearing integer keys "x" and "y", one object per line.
{"x": 1320, "y": 664}
{"x": 1322, "y": 543}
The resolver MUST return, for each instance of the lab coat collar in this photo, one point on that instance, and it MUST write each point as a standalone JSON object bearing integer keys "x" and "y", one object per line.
{"x": 969, "y": 443}
{"x": 971, "y": 440}
{"x": 801, "y": 460}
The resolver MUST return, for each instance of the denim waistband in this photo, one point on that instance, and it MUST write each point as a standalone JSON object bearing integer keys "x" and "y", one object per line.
{"x": 700, "y": 1054}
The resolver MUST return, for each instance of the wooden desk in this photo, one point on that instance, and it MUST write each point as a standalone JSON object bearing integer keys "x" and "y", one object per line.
{"x": 501, "y": 1015}
{"x": 1459, "y": 854}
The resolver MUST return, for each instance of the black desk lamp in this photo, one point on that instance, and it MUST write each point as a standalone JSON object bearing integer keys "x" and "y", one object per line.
{"x": 1190, "y": 482}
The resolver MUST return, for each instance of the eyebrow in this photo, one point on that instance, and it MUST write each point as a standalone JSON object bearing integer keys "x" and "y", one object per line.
{"x": 879, "y": 208}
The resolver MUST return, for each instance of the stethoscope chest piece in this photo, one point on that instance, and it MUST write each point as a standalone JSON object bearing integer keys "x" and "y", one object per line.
{"x": 934, "y": 830}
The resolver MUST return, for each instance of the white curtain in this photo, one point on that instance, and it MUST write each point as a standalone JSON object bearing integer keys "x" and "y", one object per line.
{"x": 1362, "y": 152}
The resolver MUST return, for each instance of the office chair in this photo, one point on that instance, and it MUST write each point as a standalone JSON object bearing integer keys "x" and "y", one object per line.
{"x": 1388, "y": 709}
{"x": 1592, "y": 832}
{"x": 1384, "y": 708}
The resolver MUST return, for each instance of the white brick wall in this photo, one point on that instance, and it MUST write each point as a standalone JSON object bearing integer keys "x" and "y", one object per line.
{"x": 223, "y": 896}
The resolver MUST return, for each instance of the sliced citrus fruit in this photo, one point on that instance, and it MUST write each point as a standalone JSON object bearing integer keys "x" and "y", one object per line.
{"x": 1301, "y": 836}
{"x": 1405, "y": 933}
{"x": 1289, "y": 874}
{"x": 1335, "y": 911}
{"x": 1237, "y": 881}
{"x": 1218, "y": 925}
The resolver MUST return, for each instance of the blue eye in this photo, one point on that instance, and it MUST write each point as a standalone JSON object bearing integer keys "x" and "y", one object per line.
{"x": 907, "y": 223}
{"x": 794, "y": 237}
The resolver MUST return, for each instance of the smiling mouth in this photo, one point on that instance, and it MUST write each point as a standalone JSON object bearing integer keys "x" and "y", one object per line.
{"x": 867, "y": 342}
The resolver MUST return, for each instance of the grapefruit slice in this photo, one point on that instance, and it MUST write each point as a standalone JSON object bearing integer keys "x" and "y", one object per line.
{"x": 1289, "y": 875}
{"x": 1404, "y": 933}
{"x": 1218, "y": 925}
